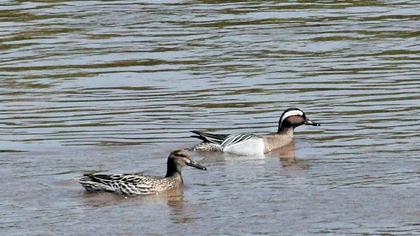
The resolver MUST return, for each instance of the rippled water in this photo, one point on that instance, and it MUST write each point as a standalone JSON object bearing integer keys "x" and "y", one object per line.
{"x": 116, "y": 85}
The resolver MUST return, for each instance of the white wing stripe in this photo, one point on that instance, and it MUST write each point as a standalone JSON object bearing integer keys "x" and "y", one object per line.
{"x": 237, "y": 138}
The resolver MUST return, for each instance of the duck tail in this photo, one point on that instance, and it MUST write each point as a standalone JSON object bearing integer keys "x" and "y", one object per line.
{"x": 92, "y": 184}
{"x": 209, "y": 137}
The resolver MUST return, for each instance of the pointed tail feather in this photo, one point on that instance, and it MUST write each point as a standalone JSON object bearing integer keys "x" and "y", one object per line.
{"x": 199, "y": 137}
{"x": 209, "y": 137}
{"x": 92, "y": 184}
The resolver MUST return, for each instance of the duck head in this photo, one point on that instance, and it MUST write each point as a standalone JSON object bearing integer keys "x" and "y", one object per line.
{"x": 179, "y": 158}
{"x": 292, "y": 118}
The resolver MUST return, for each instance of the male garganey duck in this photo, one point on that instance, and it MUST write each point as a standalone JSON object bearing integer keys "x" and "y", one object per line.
{"x": 252, "y": 144}
{"x": 134, "y": 184}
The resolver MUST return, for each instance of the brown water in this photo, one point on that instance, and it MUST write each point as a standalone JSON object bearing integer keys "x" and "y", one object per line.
{"x": 116, "y": 85}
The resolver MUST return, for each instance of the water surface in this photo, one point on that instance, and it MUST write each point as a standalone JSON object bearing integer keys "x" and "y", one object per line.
{"x": 114, "y": 86}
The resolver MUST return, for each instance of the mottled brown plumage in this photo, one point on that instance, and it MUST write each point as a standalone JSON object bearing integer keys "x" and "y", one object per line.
{"x": 134, "y": 184}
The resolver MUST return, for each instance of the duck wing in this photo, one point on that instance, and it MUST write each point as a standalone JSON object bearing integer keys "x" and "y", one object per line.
{"x": 236, "y": 139}
{"x": 127, "y": 184}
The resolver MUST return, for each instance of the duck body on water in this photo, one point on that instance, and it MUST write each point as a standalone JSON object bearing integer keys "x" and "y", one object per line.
{"x": 252, "y": 144}
{"x": 134, "y": 184}
{"x": 240, "y": 144}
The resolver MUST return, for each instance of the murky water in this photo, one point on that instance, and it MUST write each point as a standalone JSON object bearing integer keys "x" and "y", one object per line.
{"x": 116, "y": 85}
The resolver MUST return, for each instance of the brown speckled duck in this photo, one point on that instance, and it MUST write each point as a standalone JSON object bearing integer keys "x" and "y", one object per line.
{"x": 134, "y": 184}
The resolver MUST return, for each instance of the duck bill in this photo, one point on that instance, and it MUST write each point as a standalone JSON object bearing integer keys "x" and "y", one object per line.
{"x": 196, "y": 165}
{"x": 309, "y": 122}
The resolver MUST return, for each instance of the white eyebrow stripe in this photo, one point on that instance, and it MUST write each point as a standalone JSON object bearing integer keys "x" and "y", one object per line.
{"x": 291, "y": 113}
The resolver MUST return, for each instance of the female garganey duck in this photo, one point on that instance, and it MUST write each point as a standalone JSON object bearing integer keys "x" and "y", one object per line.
{"x": 134, "y": 184}
{"x": 251, "y": 144}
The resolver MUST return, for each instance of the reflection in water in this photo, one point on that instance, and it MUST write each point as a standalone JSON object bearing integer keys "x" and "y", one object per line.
{"x": 287, "y": 154}
{"x": 173, "y": 198}
{"x": 178, "y": 212}
{"x": 287, "y": 157}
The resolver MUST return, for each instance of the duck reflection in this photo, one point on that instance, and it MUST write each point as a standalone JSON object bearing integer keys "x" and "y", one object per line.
{"x": 180, "y": 210}
{"x": 287, "y": 156}
{"x": 173, "y": 198}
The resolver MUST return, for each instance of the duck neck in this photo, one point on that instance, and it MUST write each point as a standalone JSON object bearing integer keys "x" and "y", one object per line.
{"x": 286, "y": 129}
{"x": 176, "y": 177}
{"x": 173, "y": 170}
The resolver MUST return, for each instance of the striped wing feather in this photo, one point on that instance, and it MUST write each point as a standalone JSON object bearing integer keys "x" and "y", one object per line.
{"x": 237, "y": 138}
{"x": 127, "y": 184}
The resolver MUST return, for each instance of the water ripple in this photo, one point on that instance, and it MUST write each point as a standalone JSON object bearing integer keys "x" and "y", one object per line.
{"x": 111, "y": 79}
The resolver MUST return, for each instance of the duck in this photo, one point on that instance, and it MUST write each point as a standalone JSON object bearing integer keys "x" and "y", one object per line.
{"x": 136, "y": 184}
{"x": 253, "y": 144}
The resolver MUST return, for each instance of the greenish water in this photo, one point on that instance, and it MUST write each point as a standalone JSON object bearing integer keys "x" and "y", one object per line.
{"x": 116, "y": 85}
